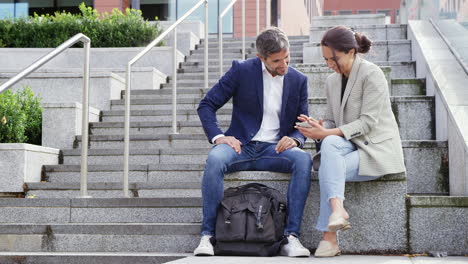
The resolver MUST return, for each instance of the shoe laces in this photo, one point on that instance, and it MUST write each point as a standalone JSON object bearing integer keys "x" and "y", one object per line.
{"x": 294, "y": 241}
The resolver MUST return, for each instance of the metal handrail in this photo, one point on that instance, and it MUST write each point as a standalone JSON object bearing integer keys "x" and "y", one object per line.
{"x": 174, "y": 83}
{"x": 220, "y": 33}
{"x": 459, "y": 58}
{"x": 220, "y": 30}
{"x": 85, "y": 115}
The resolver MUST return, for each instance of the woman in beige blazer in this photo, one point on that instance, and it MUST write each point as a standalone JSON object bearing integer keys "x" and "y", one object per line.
{"x": 359, "y": 135}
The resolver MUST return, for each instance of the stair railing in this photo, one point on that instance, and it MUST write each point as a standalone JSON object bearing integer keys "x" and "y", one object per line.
{"x": 172, "y": 28}
{"x": 220, "y": 34}
{"x": 85, "y": 100}
{"x": 457, "y": 55}
{"x": 220, "y": 30}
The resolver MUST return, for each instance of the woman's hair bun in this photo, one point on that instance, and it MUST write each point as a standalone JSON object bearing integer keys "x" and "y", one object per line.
{"x": 364, "y": 43}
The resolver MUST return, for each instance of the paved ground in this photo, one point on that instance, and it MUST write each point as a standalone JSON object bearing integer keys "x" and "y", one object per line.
{"x": 346, "y": 259}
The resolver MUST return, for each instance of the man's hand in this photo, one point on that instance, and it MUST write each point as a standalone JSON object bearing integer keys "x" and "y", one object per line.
{"x": 284, "y": 144}
{"x": 231, "y": 141}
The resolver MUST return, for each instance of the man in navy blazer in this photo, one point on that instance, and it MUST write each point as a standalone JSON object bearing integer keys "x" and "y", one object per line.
{"x": 267, "y": 97}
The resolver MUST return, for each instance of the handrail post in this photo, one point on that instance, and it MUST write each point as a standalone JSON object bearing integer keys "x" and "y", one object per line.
{"x": 85, "y": 123}
{"x": 243, "y": 29}
{"x": 268, "y": 13}
{"x": 127, "y": 130}
{"x": 85, "y": 99}
{"x": 128, "y": 85}
{"x": 174, "y": 83}
{"x": 220, "y": 43}
{"x": 257, "y": 15}
{"x": 206, "y": 44}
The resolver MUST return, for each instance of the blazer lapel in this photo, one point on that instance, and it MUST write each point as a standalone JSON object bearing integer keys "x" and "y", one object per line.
{"x": 259, "y": 83}
{"x": 350, "y": 85}
{"x": 284, "y": 99}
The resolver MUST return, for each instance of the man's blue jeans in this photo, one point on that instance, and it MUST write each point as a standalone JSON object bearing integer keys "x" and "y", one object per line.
{"x": 256, "y": 156}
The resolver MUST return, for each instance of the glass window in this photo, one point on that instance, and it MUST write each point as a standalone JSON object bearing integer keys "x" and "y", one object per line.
{"x": 345, "y": 12}
{"x": 23, "y": 8}
{"x": 364, "y": 12}
{"x": 171, "y": 10}
{"x": 327, "y": 13}
{"x": 386, "y": 12}
{"x": 11, "y": 9}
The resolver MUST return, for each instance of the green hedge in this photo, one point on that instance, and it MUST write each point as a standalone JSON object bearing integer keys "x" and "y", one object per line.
{"x": 20, "y": 117}
{"x": 117, "y": 29}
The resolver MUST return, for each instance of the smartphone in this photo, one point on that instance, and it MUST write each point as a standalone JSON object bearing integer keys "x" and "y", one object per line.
{"x": 303, "y": 124}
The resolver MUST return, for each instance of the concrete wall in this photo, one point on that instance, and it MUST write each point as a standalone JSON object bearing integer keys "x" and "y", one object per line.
{"x": 108, "y": 5}
{"x": 20, "y": 163}
{"x": 250, "y": 18}
{"x": 61, "y": 122}
{"x": 159, "y": 58}
{"x": 446, "y": 80}
{"x": 294, "y": 19}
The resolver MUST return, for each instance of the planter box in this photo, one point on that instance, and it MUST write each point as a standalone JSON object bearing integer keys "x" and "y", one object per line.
{"x": 20, "y": 163}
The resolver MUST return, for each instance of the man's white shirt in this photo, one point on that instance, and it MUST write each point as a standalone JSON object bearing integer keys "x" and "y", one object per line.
{"x": 272, "y": 97}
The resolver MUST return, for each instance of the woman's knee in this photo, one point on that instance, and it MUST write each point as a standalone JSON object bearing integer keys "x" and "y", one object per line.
{"x": 331, "y": 143}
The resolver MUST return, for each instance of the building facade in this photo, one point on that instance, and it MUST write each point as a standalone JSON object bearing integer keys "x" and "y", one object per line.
{"x": 291, "y": 15}
{"x": 338, "y": 7}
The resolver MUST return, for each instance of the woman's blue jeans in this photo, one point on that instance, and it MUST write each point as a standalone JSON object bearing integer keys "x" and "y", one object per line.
{"x": 256, "y": 156}
{"x": 339, "y": 163}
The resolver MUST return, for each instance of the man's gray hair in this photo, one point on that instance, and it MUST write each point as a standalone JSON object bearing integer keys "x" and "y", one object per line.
{"x": 271, "y": 40}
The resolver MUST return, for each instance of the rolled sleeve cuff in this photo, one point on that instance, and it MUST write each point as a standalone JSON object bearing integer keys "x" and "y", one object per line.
{"x": 216, "y": 137}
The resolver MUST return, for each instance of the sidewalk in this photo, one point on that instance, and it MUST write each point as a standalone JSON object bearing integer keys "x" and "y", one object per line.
{"x": 345, "y": 259}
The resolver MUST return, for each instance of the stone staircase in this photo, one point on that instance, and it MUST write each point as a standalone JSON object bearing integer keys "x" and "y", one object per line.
{"x": 164, "y": 214}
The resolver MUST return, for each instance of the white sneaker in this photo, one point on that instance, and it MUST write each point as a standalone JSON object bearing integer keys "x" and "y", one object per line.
{"x": 294, "y": 248}
{"x": 205, "y": 248}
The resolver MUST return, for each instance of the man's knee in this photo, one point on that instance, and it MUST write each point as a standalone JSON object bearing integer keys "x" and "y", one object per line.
{"x": 220, "y": 156}
{"x": 301, "y": 158}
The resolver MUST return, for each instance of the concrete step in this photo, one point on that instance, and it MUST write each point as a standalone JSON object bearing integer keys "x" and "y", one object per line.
{"x": 71, "y": 257}
{"x": 114, "y": 190}
{"x": 100, "y": 210}
{"x": 415, "y": 115}
{"x": 390, "y": 50}
{"x": 438, "y": 224}
{"x": 373, "y": 32}
{"x": 398, "y": 87}
{"x": 399, "y": 69}
{"x": 295, "y": 50}
{"x": 426, "y": 163}
{"x": 213, "y": 61}
{"x": 349, "y": 20}
{"x": 364, "y": 200}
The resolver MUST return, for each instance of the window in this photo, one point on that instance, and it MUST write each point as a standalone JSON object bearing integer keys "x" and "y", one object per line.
{"x": 385, "y": 11}
{"x": 327, "y": 13}
{"x": 345, "y": 12}
{"x": 364, "y": 12}
{"x": 23, "y": 8}
{"x": 173, "y": 9}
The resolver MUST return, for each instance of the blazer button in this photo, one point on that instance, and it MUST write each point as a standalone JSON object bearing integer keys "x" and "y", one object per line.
{"x": 366, "y": 143}
{"x": 251, "y": 134}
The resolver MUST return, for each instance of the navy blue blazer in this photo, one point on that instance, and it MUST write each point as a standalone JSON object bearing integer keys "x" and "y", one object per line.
{"x": 244, "y": 84}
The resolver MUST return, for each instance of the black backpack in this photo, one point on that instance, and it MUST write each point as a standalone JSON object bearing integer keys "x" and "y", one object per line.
{"x": 250, "y": 221}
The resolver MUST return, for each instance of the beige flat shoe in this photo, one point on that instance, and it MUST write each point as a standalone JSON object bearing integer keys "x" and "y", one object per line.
{"x": 326, "y": 249}
{"x": 337, "y": 222}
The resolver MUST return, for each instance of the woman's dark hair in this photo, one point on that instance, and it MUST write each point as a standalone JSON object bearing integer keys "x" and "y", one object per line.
{"x": 344, "y": 39}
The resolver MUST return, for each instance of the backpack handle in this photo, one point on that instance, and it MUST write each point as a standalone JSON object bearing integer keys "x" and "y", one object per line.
{"x": 260, "y": 187}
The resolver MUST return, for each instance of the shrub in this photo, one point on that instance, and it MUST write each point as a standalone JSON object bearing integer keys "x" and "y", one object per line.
{"x": 20, "y": 117}
{"x": 117, "y": 29}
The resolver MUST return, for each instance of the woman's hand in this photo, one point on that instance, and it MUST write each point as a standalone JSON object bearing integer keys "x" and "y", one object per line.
{"x": 317, "y": 131}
